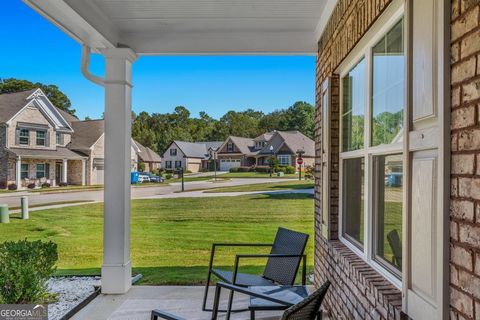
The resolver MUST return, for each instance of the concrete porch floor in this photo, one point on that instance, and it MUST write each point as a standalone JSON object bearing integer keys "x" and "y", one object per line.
{"x": 184, "y": 301}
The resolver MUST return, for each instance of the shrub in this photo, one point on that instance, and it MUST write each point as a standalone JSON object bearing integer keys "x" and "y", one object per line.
{"x": 309, "y": 170}
{"x": 168, "y": 176}
{"x": 280, "y": 169}
{"x": 290, "y": 170}
{"x": 204, "y": 170}
{"x": 265, "y": 169}
{"x": 25, "y": 266}
{"x": 31, "y": 186}
{"x": 234, "y": 169}
{"x": 141, "y": 166}
{"x": 244, "y": 169}
{"x": 45, "y": 185}
{"x": 62, "y": 184}
{"x": 12, "y": 186}
{"x": 3, "y": 184}
{"x": 187, "y": 171}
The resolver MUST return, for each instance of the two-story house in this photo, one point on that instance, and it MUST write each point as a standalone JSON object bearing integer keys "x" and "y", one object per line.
{"x": 33, "y": 138}
{"x": 40, "y": 143}
{"x": 282, "y": 145}
{"x": 191, "y": 156}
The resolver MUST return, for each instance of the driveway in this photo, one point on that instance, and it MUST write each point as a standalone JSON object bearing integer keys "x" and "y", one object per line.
{"x": 13, "y": 200}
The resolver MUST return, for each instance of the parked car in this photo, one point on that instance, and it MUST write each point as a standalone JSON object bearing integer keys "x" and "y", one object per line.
{"x": 143, "y": 177}
{"x": 154, "y": 178}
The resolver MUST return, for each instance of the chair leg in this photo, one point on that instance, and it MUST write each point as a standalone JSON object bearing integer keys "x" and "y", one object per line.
{"x": 230, "y": 301}
{"x": 216, "y": 303}
{"x": 153, "y": 317}
{"x": 252, "y": 314}
{"x": 207, "y": 285}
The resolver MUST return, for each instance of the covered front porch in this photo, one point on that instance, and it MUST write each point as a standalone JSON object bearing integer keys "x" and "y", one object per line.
{"x": 350, "y": 160}
{"x": 37, "y": 168}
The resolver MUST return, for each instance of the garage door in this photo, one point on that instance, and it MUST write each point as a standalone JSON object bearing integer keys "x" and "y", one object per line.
{"x": 226, "y": 164}
{"x": 98, "y": 171}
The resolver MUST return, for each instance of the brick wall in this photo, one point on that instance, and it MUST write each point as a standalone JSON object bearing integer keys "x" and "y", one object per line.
{"x": 357, "y": 291}
{"x": 465, "y": 169}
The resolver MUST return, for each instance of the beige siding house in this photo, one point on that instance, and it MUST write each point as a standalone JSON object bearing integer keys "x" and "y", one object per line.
{"x": 40, "y": 144}
{"x": 191, "y": 156}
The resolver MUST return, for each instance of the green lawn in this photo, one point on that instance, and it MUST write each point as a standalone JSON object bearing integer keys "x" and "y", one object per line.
{"x": 170, "y": 240}
{"x": 256, "y": 175}
{"x": 276, "y": 186}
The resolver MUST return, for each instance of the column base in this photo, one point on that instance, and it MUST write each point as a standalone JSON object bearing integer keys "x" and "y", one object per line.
{"x": 116, "y": 279}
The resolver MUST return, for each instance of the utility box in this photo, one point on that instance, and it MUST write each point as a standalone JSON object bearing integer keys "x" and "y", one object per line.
{"x": 4, "y": 215}
{"x": 134, "y": 177}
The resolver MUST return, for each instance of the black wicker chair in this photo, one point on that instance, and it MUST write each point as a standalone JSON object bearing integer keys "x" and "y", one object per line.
{"x": 307, "y": 309}
{"x": 287, "y": 251}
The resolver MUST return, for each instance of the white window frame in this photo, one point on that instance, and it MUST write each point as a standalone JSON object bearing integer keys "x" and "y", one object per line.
{"x": 168, "y": 164}
{"x": 20, "y": 137}
{"x": 284, "y": 156}
{"x": 230, "y": 147}
{"x": 44, "y": 138}
{"x": 44, "y": 170}
{"x": 59, "y": 138}
{"x": 177, "y": 162}
{"x": 23, "y": 171}
{"x": 173, "y": 152}
{"x": 363, "y": 50}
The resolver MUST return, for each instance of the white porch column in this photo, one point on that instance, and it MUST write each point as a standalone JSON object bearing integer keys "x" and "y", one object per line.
{"x": 64, "y": 169}
{"x": 84, "y": 166}
{"x": 116, "y": 268}
{"x": 18, "y": 172}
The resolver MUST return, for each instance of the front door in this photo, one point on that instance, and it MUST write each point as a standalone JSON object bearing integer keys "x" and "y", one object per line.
{"x": 58, "y": 173}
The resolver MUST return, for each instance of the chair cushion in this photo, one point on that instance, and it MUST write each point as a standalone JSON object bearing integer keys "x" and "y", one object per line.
{"x": 243, "y": 279}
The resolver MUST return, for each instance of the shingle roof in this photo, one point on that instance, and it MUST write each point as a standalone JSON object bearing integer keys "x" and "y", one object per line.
{"x": 212, "y": 144}
{"x": 245, "y": 145}
{"x": 146, "y": 154}
{"x": 11, "y": 103}
{"x": 265, "y": 137}
{"x": 196, "y": 149}
{"x": 67, "y": 116}
{"x": 59, "y": 153}
{"x": 294, "y": 140}
{"x": 86, "y": 133}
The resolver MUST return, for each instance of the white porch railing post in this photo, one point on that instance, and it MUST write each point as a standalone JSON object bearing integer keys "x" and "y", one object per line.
{"x": 84, "y": 172}
{"x": 65, "y": 170}
{"x": 116, "y": 268}
{"x": 18, "y": 172}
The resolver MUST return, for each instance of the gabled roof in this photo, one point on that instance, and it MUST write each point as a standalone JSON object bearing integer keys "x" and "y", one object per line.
{"x": 146, "y": 154}
{"x": 86, "y": 133}
{"x": 12, "y": 103}
{"x": 293, "y": 140}
{"x": 265, "y": 137}
{"x": 244, "y": 145}
{"x": 196, "y": 149}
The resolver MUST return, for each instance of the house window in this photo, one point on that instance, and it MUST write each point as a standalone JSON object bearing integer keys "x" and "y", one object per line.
{"x": 173, "y": 152}
{"x": 178, "y": 164}
{"x": 372, "y": 107}
{"x": 41, "y": 138}
{"x": 24, "y": 171}
{"x": 59, "y": 138}
{"x": 24, "y": 137}
{"x": 284, "y": 159}
{"x": 229, "y": 147}
{"x": 41, "y": 171}
{"x": 168, "y": 164}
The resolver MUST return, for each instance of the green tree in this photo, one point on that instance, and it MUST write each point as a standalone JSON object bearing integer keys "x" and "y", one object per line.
{"x": 53, "y": 93}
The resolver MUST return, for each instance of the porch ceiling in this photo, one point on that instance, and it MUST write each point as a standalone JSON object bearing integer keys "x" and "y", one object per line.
{"x": 165, "y": 27}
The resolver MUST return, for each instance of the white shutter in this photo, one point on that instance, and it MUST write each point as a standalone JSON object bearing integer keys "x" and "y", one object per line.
{"x": 425, "y": 280}
{"x": 325, "y": 157}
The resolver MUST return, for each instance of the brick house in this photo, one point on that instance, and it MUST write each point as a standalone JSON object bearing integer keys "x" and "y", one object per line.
{"x": 397, "y": 227}
{"x": 283, "y": 145}
{"x": 43, "y": 144}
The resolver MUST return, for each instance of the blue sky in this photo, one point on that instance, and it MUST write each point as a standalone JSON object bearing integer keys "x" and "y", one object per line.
{"x": 35, "y": 50}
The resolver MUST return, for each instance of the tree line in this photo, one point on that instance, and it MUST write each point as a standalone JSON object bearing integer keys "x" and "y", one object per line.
{"x": 158, "y": 130}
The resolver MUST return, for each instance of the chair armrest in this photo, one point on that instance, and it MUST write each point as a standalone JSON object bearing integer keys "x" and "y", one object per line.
{"x": 249, "y": 292}
{"x": 303, "y": 256}
{"x": 164, "y": 315}
{"x": 215, "y": 245}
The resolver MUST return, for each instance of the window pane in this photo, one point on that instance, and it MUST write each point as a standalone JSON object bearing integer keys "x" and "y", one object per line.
{"x": 388, "y": 91}
{"x": 353, "y": 199}
{"x": 41, "y": 138}
{"x": 40, "y": 171}
{"x": 353, "y": 108}
{"x": 388, "y": 195}
{"x": 24, "y": 135}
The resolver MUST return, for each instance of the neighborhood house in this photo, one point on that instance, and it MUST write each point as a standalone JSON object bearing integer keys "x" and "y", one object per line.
{"x": 285, "y": 146}
{"x": 191, "y": 156}
{"x": 41, "y": 144}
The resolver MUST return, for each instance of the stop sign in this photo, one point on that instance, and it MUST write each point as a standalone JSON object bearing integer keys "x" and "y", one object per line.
{"x": 299, "y": 160}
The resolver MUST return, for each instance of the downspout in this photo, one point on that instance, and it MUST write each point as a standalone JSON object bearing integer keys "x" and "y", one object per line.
{"x": 85, "y": 63}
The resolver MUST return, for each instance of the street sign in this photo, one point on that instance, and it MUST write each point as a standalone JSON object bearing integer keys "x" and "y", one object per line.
{"x": 300, "y": 161}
